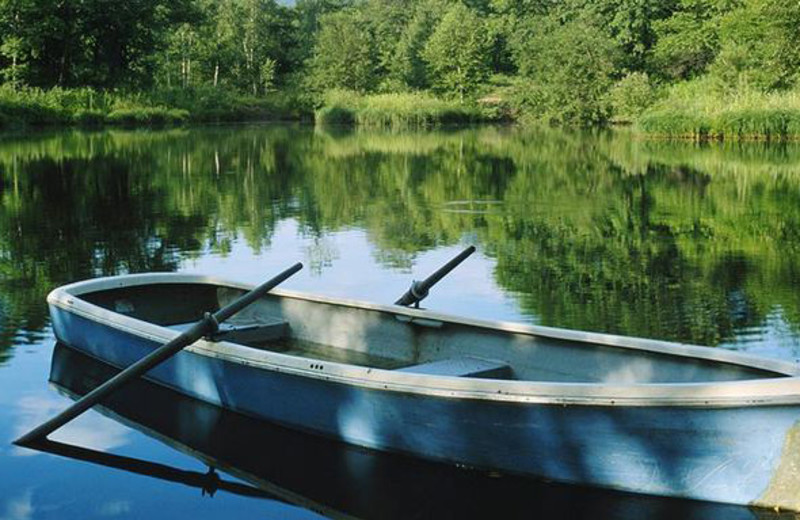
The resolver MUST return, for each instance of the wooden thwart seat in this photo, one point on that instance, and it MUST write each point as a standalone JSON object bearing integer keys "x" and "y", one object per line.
{"x": 462, "y": 367}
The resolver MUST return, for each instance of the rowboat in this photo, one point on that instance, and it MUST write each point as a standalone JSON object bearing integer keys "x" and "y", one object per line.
{"x": 333, "y": 478}
{"x": 624, "y": 413}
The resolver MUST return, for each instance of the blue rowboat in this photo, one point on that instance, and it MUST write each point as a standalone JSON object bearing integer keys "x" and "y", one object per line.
{"x": 335, "y": 479}
{"x": 624, "y": 413}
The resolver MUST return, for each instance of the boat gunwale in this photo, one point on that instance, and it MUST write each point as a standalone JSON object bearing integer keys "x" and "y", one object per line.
{"x": 781, "y": 390}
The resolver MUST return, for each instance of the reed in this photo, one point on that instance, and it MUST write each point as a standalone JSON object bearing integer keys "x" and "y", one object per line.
{"x": 147, "y": 116}
{"x": 697, "y": 110}
{"x": 395, "y": 111}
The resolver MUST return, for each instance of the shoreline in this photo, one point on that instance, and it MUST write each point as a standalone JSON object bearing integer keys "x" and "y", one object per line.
{"x": 61, "y": 109}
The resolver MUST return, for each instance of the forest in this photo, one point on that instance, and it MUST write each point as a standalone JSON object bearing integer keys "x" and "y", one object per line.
{"x": 696, "y": 68}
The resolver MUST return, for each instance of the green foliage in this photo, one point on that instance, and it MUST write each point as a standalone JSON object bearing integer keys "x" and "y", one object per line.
{"x": 688, "y": 41}
{"x": 678, "y": 124}
{"x": 267, "y": 74}
{"x": 775, "y": 123}
{"x": 395, "y": 111}
{"x": 228, "y": 45}
{"x": 147, "y": 116}
{"x": 571, "y": 62}
{"x": 91, "y": 42}
{"x": 697, "y": 110}
{"x": 335, "y": 116}
{"x": 206, "y": 103}
{"x": 631, "y": 95}
{"x": 89, "y": 118}
{"x": 308, "y": 14}
{"x": 343, "y": 53}
{"x": 759, "y": 46}
{"x": 631, "y": 24}
{"x": 13, "y": 49}
{"x": 386, "y": 21}
{"x": 457, "y": 53}
{"x": 88, "y": 107}
{"x": 569, "y": 68}
{"x": 33, "y": 107}
{"x": 407, "y": 68}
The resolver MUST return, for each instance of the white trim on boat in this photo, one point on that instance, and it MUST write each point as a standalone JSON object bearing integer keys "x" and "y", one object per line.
{"x": 771, "y": 391}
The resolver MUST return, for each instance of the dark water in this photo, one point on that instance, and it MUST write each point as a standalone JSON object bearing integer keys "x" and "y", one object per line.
{"x": 600, "y": 232}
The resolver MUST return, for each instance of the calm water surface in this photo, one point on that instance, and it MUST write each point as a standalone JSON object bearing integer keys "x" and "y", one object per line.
{"x": 692, "y": 243}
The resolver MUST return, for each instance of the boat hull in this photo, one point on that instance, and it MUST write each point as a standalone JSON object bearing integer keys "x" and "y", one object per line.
{"x": 737, "y": 454}
{"x": 337, "y": 479}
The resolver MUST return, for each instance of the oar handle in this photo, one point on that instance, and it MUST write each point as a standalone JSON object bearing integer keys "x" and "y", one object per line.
{"x": 419, "y": 290}
{"x": 209, "y": 323}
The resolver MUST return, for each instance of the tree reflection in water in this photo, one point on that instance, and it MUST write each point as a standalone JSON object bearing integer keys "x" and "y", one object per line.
{"x": 600, "y": 232}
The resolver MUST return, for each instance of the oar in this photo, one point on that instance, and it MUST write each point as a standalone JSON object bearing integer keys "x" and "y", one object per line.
{"x": 419, "y": 290}
{"x": 208, "y": 324}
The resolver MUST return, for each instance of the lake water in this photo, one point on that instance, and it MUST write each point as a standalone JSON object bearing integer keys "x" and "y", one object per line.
{"x": 603, "y": 232}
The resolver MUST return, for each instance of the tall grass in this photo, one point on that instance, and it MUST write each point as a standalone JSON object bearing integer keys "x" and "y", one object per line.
{"x": 396, "y": 111}
{"x": 207, "y": 103}
{"x": 697, "y": 110}
{"x": 20, "y": 107}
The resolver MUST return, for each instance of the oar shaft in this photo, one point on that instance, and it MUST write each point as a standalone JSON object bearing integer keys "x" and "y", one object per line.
{"x": 419, "y": 290}
{"x": 446, "y": 268}
{"x": 208, "y": 324}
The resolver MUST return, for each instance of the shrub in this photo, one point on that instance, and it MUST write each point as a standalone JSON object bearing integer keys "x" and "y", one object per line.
{"x": 89, "y": 117}
{"x": 151, "y": 116}
{"x": 335, "y": 116}
{"x": 631, "y": 96}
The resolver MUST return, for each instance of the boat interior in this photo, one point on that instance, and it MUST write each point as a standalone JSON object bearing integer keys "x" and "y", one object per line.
{"x": 324, "y": 331}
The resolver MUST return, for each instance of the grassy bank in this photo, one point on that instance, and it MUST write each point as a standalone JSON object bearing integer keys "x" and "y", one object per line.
{"x": 397, "y": 111}
{"x": 87, "y": 107}
{"x": 697, "y": 110}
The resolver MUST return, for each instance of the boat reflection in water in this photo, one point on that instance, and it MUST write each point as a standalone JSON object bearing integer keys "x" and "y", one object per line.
{"x": 330, "y": 477}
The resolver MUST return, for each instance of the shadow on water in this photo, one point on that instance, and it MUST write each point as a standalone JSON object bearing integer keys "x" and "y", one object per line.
{"x": 331, "y": 478}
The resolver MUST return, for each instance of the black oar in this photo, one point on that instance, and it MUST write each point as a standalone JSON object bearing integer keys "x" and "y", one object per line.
{"x": 208, "y": 324}
{"x": 419, "y": 290}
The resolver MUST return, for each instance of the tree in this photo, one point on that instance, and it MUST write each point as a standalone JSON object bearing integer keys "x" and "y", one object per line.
{"x": 102, "y": 43}
{"x": 631, "y": 95}
{"x": 457, "y": 53}
{"x": 14, "y": 47}
{"x": 759, "y": 45}
{"x": 268, "y": 74}
{"x": 687, "y": 41}
{"x": 570, "y": 69}
{"x": 387, "y": 20}
{"x": 407, "y": 68}
{"x": 309, "y": 14}
{"x": 230, "y": 43}
{"x": 343, "y": 53}
{"x": 630, "y": 23}
{"x": 184, "y": 48}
